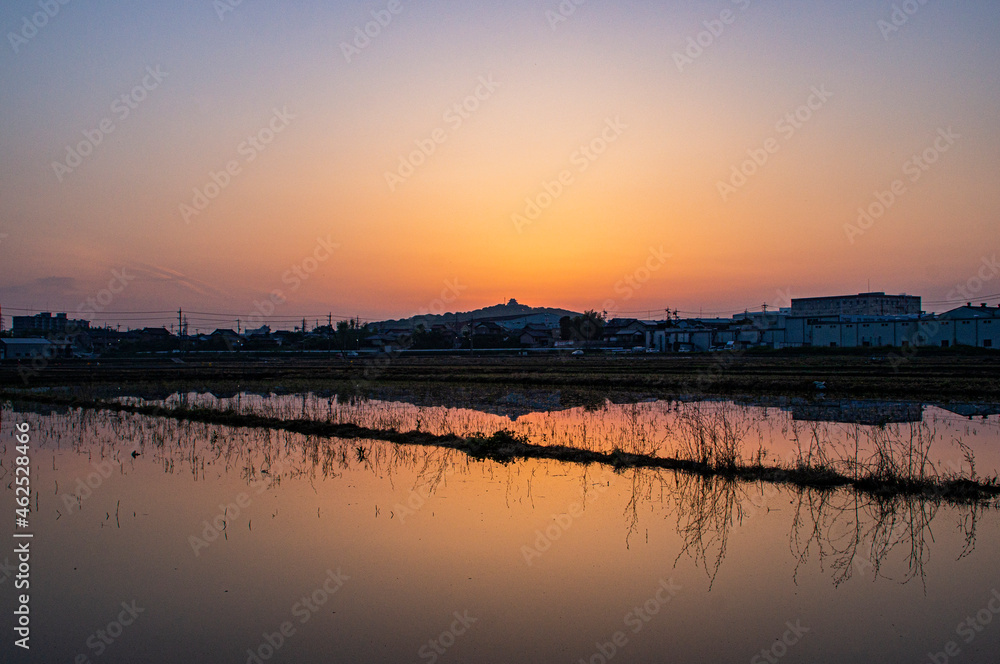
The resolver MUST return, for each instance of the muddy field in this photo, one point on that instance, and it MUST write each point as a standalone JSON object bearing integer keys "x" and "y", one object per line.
{"x": 929, "y": 374}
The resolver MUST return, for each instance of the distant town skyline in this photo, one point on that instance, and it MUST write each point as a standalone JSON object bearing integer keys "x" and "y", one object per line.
{"x": 376, "y": 158}
{"x": 277, "y": 320}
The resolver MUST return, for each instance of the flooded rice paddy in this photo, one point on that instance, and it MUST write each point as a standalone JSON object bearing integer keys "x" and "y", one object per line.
{"x": 234, "y": 544}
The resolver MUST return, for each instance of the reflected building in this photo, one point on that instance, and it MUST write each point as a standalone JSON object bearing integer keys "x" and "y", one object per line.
{"x": 850, "y": 411}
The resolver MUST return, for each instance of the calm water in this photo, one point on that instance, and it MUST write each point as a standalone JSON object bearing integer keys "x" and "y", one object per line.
{"x": 241, "y": 545}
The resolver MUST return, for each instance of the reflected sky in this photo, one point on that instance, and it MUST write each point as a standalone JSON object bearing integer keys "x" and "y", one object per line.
{"x": 778, "y": 432}
{"x": 550, "y": 559}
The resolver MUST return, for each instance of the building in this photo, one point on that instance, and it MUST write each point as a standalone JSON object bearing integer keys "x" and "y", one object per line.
{"x": 856, "y": 411}
{"x": 687, "y": 336}
{"x": 154, "y": 335}
{"x": 860, "y": 331}
{"x": 26, "y": 348}
{"x": 99, "y": 339}
{"x": 629, "y": 333}
{"x": 46, "y": 323}
{"x": 963, "y": 326}
{"x": 862, "y": 304}
{"x": 967, "y": 326}
{"x": 537, "y": 336}
{"x": 519, "y": 322}
{"x": 228, "y": 337}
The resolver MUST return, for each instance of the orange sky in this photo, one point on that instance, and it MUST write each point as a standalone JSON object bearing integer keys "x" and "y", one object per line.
{"x": 661, "y": 138}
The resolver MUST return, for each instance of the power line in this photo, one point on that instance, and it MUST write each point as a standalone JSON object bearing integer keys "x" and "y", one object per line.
{"x": 964, "y": 299}
{"x": 138, "y": 316}
{"x": 39, "y": 311}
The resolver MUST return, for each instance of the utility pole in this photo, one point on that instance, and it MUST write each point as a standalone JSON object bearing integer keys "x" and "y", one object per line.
{"x": 237, "y": 326}
{"x": 180, "y": 316}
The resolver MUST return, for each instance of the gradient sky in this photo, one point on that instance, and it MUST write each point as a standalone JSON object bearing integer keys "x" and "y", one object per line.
{"x": 780, "y": 234}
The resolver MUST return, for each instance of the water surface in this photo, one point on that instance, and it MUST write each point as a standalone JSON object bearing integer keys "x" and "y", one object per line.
{"x": 371, "y": 552}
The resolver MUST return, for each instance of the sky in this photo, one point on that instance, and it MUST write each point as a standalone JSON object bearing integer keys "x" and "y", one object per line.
{"x": 380, "y": 159}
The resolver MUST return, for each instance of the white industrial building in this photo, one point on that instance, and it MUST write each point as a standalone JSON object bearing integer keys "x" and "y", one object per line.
{"x": 977, "y": 326}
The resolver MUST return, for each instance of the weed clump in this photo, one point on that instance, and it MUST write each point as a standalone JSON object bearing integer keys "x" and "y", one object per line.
{"x": 502, "y": 446}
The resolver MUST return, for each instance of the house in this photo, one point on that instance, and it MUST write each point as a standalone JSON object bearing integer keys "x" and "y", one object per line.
{"x": 98, "y": 339}
{"x": 446, "y": 334}
{"x": 285, "y": 337}
{"x": 684, "y": 336}
{"x": 395, "y": 338}
{"x": 227, "y": 333}
{"x": 533, "y": 337}
{"x": 228, "y": 337}
{"x": 154, "y": 334}
{"x": 629, "y": 333}
{"x": 515, "y": 323}
{"x": 543, "y": 332}
{"x": 487, "y": 328}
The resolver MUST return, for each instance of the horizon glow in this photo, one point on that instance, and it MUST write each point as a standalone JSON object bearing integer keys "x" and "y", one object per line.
{"x": 360, "y": 157}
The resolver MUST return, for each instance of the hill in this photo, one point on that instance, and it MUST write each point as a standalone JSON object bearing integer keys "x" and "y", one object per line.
{"x": 512, "y": 310}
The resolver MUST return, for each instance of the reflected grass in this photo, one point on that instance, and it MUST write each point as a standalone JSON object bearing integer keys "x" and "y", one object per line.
{"x": 711, "y": 445}
{"x": 848, "y": 531}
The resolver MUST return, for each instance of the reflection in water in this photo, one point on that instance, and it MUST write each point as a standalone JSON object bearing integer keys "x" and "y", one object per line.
{"x": 858, "y": 412}
{"x": 423, "y": 532}
{"x": 706, "y": 509}
{"x": 844, "y": 532}
{"x": 841, "y": 530}
{"x": 853, "y": 437}
{"x": 850, "y": 534}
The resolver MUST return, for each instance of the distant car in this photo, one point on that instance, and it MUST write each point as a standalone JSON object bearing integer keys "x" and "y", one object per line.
{"x": 577, "y": 353}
